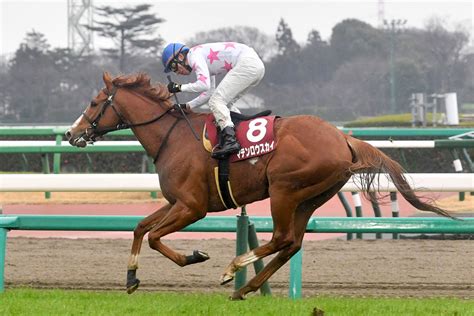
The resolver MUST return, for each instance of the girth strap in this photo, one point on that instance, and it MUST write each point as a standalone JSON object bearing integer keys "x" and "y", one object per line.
{"x": 221, "y": 175}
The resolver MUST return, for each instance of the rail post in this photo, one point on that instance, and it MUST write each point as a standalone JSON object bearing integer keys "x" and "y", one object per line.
{"x": 347, "y": 208}
{"x": 25, "y": 165}
{"x": 296, "y": 274}
{"x": 377, "y": 213}
{"x": 458, "y": 168}
{"x": 57, "y": 156}
{"x": 46, "y": 170}
{"x": 358, "y": 208}
{"x": 242, "y": 242}
{"x": 470, "y": 164}
{"x": 258, "y": 265}
{"x": 395, "y": 209}
{"x": 3, "y": 248}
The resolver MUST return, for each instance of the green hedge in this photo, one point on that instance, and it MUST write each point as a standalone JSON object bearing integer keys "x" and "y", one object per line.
{"x": 397, "y": 120}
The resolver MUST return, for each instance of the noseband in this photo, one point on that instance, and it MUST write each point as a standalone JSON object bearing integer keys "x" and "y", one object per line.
{"x": 96, "y": 131}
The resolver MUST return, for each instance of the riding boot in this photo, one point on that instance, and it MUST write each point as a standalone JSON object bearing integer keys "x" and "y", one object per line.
{"x": 229, "y": 144}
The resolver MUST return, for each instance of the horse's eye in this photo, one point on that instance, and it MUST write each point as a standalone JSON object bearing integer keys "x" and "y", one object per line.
{"x": 93, "y": 104}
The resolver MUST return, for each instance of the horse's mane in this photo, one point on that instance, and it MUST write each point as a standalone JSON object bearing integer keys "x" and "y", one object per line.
{"x": 141, "y": 83}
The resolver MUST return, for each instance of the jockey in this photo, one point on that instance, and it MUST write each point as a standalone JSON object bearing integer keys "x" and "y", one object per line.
{"x": 242, "y": 68}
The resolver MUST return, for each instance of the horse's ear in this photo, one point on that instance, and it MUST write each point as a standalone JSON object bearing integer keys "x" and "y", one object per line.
{"x": 107, "y": 80}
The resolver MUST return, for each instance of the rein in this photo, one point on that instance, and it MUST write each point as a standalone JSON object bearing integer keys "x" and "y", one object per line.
{"x": 123, "y": 124}
{"x": 165, "y": 139}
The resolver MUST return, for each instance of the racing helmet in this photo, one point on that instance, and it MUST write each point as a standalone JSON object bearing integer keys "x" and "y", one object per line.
{"x": 170, "y": 53}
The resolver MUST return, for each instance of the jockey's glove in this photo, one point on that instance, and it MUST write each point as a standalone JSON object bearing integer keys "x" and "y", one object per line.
{"x": 174, "y": 87}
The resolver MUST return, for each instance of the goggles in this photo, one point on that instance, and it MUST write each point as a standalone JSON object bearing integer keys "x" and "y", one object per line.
{"x": 173, "y": 65}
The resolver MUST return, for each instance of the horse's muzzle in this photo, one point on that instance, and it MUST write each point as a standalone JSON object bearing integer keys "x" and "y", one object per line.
{"x": 78, "y": 141}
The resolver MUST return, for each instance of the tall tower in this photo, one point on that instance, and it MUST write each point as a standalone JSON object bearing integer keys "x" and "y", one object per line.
{"x": 79, "y": 15}
{"x": 380, "y": 13}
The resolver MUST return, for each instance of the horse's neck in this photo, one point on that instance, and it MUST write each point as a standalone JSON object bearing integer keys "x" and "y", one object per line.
{"x": 152, "y": 136}
{"x": 174, "y": 135}
{"x": 168, "y": 131}
{"x": 149, "y": 135}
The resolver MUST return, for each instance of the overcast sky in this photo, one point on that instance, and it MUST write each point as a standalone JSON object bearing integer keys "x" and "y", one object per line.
{"x": 185, "y": 18}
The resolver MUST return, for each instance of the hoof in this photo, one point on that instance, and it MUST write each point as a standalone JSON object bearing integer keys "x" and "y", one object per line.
{"x": 196, "y": 257}
{"x": 226, "y": 278}
{"x": 133, "y": 286}
{"x": 236, "y": 296}
{"x": 132, "y": 281}
{"x": 200, "y": 255}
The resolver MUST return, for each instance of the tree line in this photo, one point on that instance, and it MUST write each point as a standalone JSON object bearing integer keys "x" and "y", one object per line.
{"x": 345, "y": 77}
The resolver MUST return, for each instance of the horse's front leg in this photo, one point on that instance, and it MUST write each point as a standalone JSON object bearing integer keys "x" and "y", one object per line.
{"x": 142, "y": 228}
{"x": 178, "y": 217}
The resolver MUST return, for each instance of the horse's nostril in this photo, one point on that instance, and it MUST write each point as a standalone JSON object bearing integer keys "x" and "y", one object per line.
{"x": 68, "y": 134}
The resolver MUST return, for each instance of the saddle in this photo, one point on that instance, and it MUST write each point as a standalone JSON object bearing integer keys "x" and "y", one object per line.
{"x": 238, "y": 117}
{"x": 255, "y": 135}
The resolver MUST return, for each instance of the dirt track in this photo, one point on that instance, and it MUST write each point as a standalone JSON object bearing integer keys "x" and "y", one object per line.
{"x": 356, "y": 268}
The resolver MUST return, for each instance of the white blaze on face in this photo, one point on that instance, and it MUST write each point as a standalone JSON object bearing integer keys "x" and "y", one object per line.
{"x": 76, "y": 123}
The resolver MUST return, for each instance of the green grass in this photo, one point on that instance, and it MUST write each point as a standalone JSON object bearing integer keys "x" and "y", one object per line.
{"x": 60, "y": 302}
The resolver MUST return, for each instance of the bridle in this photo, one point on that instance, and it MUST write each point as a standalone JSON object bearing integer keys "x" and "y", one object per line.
{"x": 95, "y": 131}
{"x": 123, "y": 124}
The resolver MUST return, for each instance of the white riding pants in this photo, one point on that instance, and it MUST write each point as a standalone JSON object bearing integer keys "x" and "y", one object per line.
{"x": 247, "y": 72}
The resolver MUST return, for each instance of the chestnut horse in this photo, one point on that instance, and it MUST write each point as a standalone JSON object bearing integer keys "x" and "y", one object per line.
{"x": 310, "y": 164}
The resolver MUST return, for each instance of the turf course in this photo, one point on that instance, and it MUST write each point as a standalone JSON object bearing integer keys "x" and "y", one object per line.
{"x": 63, "y": 302}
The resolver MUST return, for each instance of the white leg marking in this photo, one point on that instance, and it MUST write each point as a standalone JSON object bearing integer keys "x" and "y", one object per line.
{"x": 133, "y": 262}
{"x": 246, "y": 259}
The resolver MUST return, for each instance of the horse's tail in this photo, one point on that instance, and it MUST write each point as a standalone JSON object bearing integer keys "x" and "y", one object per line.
{"x": 369, "y": 162}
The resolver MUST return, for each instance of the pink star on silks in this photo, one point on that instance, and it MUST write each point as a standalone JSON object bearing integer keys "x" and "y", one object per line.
{"x": 202, "y": 78}
{"x": 227, "y": 66}
{"x": 212, "y": 56}
{"x": 227, "y": 45}
{"x": 196, "y": 47}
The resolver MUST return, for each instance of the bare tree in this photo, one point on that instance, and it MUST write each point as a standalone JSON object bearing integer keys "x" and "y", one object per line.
{"x": 131, "y": 29}
{"x": 445, "y": 51}
{"x": 287, "y": 45}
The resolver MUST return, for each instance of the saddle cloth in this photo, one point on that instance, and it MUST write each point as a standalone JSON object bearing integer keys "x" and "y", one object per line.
{"x": 255, "y": 136}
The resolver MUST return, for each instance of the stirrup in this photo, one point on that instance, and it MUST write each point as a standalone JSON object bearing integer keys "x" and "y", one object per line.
{"x": 222, "y": 153}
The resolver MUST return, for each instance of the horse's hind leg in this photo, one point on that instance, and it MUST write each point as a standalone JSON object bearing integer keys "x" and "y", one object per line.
{"x": 302, "y": 215}
{"x": 178, "y": 217}
{"x": 142, "y": 228}
{"x": 283, "y": 235}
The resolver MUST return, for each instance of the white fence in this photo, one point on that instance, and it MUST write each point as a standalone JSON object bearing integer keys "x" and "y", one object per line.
{"x": 375, "y": 143}
{"x": 423, "y": 182}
